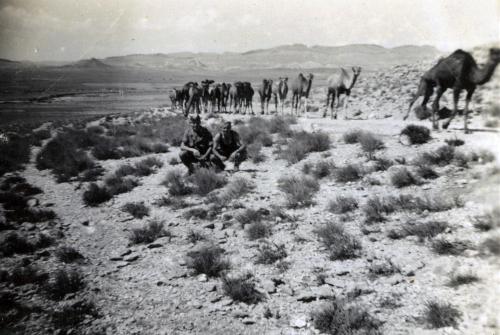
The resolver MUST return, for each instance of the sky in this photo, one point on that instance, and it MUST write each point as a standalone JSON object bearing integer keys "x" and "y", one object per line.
{"x": 65, "y": 30}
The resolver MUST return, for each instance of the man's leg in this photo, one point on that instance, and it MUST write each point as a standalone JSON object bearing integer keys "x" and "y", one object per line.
{"x": 219, "y": 164}
{"x": 188, "y": 159}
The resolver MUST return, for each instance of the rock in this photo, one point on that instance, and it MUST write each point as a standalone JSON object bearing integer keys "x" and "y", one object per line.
{"x": 248, "y": 321}
{"x": 268, "y": 286}
{"x": 32, "y": 202}
{"x": 211, "y": 288}
{"x": 85, "y": 223}
{"x": 202, "y": 278}
{"x": 239, "y": 314}
{"x": 298, "y": 321}
{"x": 132, "y": 258}
{"x": 209, "y": 226}
{"x": 126, "y": 252}
{"x": 116, "y": 258}
{"x": 122, "y": 265}
{"x": 287, "y": 290}
{"x": 155, "y": 245}
{"x": 306, "y": 296}
{"x": 160, "y": 283}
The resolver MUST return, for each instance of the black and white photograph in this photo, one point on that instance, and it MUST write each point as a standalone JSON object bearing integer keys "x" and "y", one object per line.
{"x": 281, "y": 167}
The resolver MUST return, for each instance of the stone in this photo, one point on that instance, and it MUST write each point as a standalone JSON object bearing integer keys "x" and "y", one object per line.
{"x": 126, "y": 252}
{"x": 248, "y": 321}
{"x": 85, "y": 223}
{"x": 298, "y": 321}
{"x": 268, "y": 286}
{"x": 202, "y": 278}
{"x": 132, "y": 258}
{"x": 155, "y": 245}
{"x": 209, "y": 226}
{"x": 116, "y": 258}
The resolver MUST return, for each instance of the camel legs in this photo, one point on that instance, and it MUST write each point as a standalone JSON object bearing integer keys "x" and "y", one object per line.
{"x": 333, "y": 112}
{"x": 456, "y": 96}
{"x": 435, "y": 106}
{"x": 468, "y": 98}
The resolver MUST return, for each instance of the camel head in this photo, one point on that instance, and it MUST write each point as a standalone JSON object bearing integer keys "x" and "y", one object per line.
{"x": 356, "y": 70}
{"x": 495, "y": 55}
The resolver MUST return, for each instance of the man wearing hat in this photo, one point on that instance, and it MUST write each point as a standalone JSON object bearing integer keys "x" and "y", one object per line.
{"x": 227, "y": 147}
{"x": 196, "y": 145}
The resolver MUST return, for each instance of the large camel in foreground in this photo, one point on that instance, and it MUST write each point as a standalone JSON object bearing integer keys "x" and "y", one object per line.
{"x": 459, "y": 71}
{"x": 301, "y": 86}
{"x": 340, "y": 82}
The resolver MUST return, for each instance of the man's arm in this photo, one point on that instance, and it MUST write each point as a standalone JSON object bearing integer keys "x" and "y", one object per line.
{"x": 238, "y": 143}
{"x": 185, "y": 145}
{"x": 214, "y": 148}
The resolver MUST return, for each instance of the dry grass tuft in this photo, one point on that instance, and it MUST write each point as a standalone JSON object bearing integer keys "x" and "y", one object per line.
{"x": 340, "y": 244}
{"x": 208, "y": 260}
{"x": 299, "y": 190}
{"x": 342, "y": 204}
{"x": 242, "y": 289}
{"x": 438, "y": 315}
{"x": 148, "y": 233}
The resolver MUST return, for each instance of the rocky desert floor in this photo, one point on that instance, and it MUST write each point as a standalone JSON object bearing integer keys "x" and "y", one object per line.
{"x": 393, "y": 274}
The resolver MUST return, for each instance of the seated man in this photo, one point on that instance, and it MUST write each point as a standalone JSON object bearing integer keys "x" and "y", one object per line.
{"x": 196, "y": 144}
{"x": 227, "y": 146}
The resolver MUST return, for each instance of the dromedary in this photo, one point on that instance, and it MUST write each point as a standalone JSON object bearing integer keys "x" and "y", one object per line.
{"x": 225, "y": 96}
{"x": 235, "y": 97}
{"x": 280, "y": 91}
{"x": 192, "y": 94}
{"x": 340, "y": 82}
{"x": 247, "y": 96}
{"x": 205, "y": 93}
{"x": 458, "y": 71}
{"x": 301, "y": 86}
{"x": 265, "y": 93}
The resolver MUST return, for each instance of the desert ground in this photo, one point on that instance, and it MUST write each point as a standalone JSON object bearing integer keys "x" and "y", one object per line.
{"x": 332, "y": 226}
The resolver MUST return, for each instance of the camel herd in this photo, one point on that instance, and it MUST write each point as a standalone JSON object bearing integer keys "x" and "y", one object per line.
{"x": 459, "y": 71}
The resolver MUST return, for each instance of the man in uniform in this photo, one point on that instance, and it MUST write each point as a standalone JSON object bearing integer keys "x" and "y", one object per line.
{"x": 196, "y": 145}
{"x": 227, "y": 146}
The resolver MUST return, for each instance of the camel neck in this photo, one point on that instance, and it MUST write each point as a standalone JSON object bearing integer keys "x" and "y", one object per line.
{"x": 354, "y": 78}
{"x": 308, "y": 88}
{"x": 480, "y": 76}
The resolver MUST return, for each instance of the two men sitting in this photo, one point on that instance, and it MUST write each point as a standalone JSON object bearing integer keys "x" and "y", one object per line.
{"x": 198, "y": 147}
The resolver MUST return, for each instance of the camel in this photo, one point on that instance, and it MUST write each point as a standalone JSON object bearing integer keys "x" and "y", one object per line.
{"x": 192, "y": 95}
{"x": 341, "y": 82}
{"x": 247, "y": 96}
{"x": 174, "y": 98}
{"x": 459, "y": 71}
{"x": 215, "y": 97}
{"x": 205, "y": 93}
{"x": 235, "y": 97}
{"x": 280, "y": 91}
{"x": 301, "y": 86}
{"x": 265, "y": 93}
{"x": 225, "y": 95}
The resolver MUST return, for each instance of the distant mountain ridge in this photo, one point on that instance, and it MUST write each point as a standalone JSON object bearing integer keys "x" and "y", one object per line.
{"x": 295, "y": 56}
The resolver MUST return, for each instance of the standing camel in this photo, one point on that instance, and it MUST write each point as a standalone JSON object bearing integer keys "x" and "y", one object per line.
{"x": 192, "y": 96}
{"x": 205, "y": 93}
{"x": 225, "y": 96}
{"x": 174, "y": 98}
{"x": 235, "y": 97}
{"x": 459, "y": 71}
{"x": 341, "y": 82}
{"x": 280, "y": 91}
{"x": 301, "y": 86}
{"x": 265, "y": 93}
{"x": 247, "y": 96}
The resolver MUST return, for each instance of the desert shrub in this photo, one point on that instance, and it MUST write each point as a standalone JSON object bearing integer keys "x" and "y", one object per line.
{"x": 342, "y": 204}
{"x": 26, "y": 189}
{"x": 424, "y": 230}
{"x": 176, "y": 184}
{"x": 175, "y": 203}
{"x": 255, "y": 153}
{"x": 125, "y": 170}
{"x": 106, "y": 148}
{"x": 68, "y": 316}
{"x": 445, "y": 247}
{"x": 488, "y": 221}
{"x": 67, "y": 254}
{"x": 64, "y": 282}
{"x": 417, "y": 134}
{"x": 28, "y": 214}
{"x": 147, "y": 166}
{"x": 206, "y": 180}
{"x": 249, "y": 216}
{"x": 281, "y": 125}
{"x": 347, "y": 173}
{"x": 376, "y": 208}
{"x": 455, "y": 142}
{"x": 118, "y": 185}
{"x": 303, "y": 143}
{"x": 491, "y": 245}
{"x": 459, "y": 279}
{"x": 198, "y": 213}
{"x": 382, "y": 164}
{"x": 321, "y": 169}
{"x": 438, "y": 315}
{"x": 96, "y": 195}
{"x": 92, "y": 174}
{"x": 340, "y": 244}
{"x": 352, "y": 136}
{"x": 402, "y": 177}
{"x": 385, "y": 268}
{"x": 137, "y": 209}
{"x": 299, "y": 190}
{"x": 441, "y": 156}
{"x": 39, "y": 135}
{"x": 171, "y": 129}
{"x": 258, "y": 230}
{"x": 15, "y": 152}
{"x": 22, "y": 275}
{"x": 11, "y": 181}
{"x": 426, "y": 172}
{"x": 174, "y": 161}
{"x": 43, "y": 240}
{"x": 14, "y": 243}
{"x": 338, "y": 318}
{"x": 195, "y": 236}
{"x": 241, "y": 289}
{"x": 208, "y": 260}
{"x": 237, "y": 188}
{"x": 63, "y": 157}
{"x": 270, "y": 254}
{"x": 256, "y": 130}
{"x": 370, "y": 143}
{"x": 148, "y": 233}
